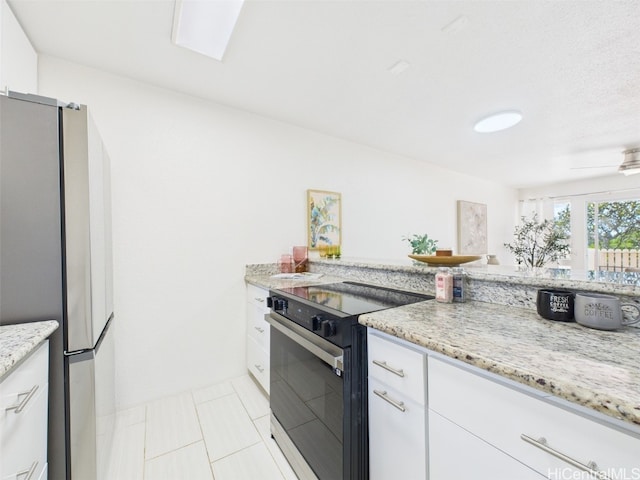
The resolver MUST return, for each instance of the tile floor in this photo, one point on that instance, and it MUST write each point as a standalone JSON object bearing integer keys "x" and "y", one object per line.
{"x": 216, "y": 433}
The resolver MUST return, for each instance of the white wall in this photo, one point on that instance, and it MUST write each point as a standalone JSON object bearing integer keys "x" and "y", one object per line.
{"x": 200, "y": 190}
{"x": 18, "y": 59}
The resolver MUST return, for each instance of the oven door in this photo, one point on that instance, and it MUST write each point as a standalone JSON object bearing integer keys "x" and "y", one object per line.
{"x": 307, "y": 399}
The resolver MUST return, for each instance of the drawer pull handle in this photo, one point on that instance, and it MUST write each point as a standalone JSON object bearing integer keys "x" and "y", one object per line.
{"x": 384, "y": 365}
{"x": 383, "y": 395}
{"x": 258, "y": 299}
{"x": 28, "y": 396}
{"x": 259, "y": 329}
{"x": 29, "y": 473}
{"x": 259, "y": 368}
{"x": 541, "y": 443}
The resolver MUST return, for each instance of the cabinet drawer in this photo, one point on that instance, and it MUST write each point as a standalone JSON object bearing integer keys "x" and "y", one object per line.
{"x": 397, "y": 438}
{"x": 258, "y": 297}
{"x": 454, "y": 453}
{"x": 24, "y": 439}
{"x": 32, "y": 372}
{"x": 500, "y": 414}
{"x": 23, "y": 417}
{"x": 397, "y": 366}
{"x": 258, "y": 363}
{"x": 258, "y": 328}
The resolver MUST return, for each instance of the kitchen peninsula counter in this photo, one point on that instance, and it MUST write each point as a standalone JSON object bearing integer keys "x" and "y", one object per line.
{"x": 18, "y": 341}
{"x": 508, "y": 285}
{"x": 597, "y": 369}
{"x": 593, "y": 368}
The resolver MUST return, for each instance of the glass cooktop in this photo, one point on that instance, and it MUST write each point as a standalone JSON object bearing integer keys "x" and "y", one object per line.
{"x": 355, "y": 298}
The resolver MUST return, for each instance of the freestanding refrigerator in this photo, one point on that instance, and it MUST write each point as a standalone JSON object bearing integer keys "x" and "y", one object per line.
{"x": 56, "y": 264}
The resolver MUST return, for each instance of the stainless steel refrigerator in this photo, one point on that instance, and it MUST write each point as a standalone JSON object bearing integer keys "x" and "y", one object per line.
{"x": 56, "y": 263}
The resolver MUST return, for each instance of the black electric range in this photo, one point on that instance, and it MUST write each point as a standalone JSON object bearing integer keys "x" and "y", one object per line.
{"x": 318, "y": 375}
{"x": 330, "y": 310}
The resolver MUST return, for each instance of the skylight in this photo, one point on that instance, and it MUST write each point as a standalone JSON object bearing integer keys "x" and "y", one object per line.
{"x": 205, "y": 26}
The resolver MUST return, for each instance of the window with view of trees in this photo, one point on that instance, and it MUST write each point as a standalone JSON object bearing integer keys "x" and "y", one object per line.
{"x": 613, "y": 235}
{"x": 602, "y": 228}
{"x": 562, "y": 217}
{"x": 610, "y": 229}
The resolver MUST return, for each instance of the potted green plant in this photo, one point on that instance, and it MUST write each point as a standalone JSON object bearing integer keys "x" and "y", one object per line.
{"x": 421, "y": 244}
{"x": 538, "y": 243}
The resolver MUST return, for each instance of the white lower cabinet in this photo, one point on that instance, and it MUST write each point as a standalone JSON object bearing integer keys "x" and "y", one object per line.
{"x": 476, "y": 425}
{"x": 556, "y": 439}
{"x": 258, "y": 363}
{"x": 23, "y": 418}
{"x": 258, "y": 335}
{"x": 397, "y": 440}
{"x": 397, "y": 411}
{"x": 455, "y": 453}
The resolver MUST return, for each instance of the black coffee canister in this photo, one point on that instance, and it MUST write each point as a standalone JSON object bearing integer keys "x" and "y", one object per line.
{"x": 555, "y": 304}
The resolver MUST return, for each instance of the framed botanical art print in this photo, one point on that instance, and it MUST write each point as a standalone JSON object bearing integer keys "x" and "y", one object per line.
{"x": 324, "y": 211}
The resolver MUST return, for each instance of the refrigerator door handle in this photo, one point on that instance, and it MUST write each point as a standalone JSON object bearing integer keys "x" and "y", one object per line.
{"x": 76, "y": 352}
{"x": 71, "y": 353}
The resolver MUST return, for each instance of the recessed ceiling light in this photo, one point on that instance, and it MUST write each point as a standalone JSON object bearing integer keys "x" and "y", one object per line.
{"x": 498, "y": 121}
{"x": 205, "y": 26}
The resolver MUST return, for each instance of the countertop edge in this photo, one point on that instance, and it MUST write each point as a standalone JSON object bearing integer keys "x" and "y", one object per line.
{"x": 18, "y": 341}
{"x": 608, "y": 405}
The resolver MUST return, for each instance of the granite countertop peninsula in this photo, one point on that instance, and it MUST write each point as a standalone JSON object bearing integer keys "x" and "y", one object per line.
{"x": 593, "y": 368}
{"x": 615, "y": 283}
{"x": 18, "y": 341}
{"x": 499, "y": 330}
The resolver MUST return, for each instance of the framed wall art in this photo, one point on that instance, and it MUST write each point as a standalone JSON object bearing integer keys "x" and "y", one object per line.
{"x": 324, "y": 212}
{"x": 472, "y": 228}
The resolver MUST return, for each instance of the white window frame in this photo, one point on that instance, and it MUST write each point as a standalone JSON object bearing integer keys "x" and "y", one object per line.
{"x": 579, "y": 240}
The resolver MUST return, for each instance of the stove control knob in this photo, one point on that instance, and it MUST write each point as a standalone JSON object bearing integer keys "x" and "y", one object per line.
{"x": 316, "y": 322}
{"x": 328, "y": 328}
{"x": 279, "y": 304}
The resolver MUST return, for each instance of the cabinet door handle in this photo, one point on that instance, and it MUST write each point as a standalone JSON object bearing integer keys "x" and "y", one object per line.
{"x": 29, "y": 473}
{"x": 258, "y": 299}
{"x": 383, "y": 395}
{"x": 28, "y": 396}
{"x": 384, "y": 365}
{"x": 591, "y": 467}
{"x": 259, "y": 368}
{"x": 261, "y": 330}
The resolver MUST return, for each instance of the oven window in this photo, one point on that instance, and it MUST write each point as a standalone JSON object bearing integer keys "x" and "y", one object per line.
{"x": 307, "y": 399}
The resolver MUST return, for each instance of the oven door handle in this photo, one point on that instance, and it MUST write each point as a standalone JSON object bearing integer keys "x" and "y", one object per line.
{"x": 325, "y": 351}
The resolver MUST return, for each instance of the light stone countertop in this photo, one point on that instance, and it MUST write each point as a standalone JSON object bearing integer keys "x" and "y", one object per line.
{"x": 593, "y": 368}
{"x": 18, "y": 341}
{"x": 597, "y": 369}
{"x": 267, "y": 281}
{"x": 614, "y": 283}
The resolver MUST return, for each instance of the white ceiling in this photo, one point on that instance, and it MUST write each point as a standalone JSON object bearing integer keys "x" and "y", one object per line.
{"x": 571, "y": 67}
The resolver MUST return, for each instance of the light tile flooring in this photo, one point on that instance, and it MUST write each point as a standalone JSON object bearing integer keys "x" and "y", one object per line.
{"x": 216, "y": 433}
